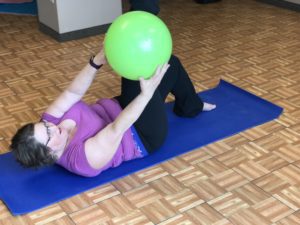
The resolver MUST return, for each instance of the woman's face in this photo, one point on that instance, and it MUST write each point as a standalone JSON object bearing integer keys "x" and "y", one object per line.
{"x": 50, "y": 135}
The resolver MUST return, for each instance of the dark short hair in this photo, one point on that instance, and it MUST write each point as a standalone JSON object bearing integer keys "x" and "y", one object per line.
{"x": 28, "y": 151}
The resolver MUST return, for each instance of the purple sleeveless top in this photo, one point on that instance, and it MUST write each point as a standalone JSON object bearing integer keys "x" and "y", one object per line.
{"x": 90, "y": 119}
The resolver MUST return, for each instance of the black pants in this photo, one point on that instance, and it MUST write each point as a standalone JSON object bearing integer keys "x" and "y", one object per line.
{"x": 152, "y": 125}
{"x": 151, "y": 6}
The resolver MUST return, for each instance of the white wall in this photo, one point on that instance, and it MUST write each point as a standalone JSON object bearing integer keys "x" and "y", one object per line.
{"x": 71, "y": 15}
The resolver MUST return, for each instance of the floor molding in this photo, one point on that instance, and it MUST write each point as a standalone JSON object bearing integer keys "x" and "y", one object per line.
{"x": 283, "y": 4}
{"x": 73, "y": 35}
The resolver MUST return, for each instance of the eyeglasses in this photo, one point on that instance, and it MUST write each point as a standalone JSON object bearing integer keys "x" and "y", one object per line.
{"x": 46, "y": 124}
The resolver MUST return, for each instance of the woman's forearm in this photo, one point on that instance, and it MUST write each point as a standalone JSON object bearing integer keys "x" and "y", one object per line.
{"x": 84, "y": 79}
{"x": 76, "y": 89}
{"x": 131, "y": 113}
{"x": 134, "y": 109}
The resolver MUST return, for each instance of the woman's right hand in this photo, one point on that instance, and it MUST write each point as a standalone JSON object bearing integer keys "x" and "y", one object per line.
{"x": 149, "y": 86}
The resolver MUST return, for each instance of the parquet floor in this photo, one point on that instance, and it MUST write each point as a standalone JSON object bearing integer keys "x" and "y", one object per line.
{"x": 250, "y": 178}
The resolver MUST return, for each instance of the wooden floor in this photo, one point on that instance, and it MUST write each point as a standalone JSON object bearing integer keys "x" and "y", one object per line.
{"x": 250, "y": 178}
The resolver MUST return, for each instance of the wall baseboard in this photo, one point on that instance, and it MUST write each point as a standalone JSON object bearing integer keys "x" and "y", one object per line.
{"x": 283, "y": 4}
{"x": 73, "y": 35}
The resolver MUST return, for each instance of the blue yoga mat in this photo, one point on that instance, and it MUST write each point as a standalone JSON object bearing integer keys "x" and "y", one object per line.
{"x": 26, "y": 190}
{"x": 27, "y": 8}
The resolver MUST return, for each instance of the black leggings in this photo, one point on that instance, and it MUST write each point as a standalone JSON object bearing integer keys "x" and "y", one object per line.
{"x": 152, "y": 125}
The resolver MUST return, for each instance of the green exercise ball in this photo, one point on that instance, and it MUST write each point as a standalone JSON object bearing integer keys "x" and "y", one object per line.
{"x": 136, "y": 43}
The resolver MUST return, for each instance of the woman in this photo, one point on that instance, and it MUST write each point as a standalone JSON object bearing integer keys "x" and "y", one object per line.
{"x": 87, "y": 139}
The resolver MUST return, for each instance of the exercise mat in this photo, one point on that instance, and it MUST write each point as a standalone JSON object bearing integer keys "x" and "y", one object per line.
{"x": 26, "y": 190}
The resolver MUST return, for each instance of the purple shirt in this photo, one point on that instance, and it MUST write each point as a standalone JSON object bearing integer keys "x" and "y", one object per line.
{"x": 90, "y": 119}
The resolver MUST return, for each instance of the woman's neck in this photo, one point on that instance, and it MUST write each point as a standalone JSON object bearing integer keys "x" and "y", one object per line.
{"x": 70, "y": 127}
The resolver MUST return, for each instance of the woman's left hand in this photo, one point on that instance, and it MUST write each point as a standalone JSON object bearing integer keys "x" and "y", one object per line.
{"x": 149, "y": 86}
